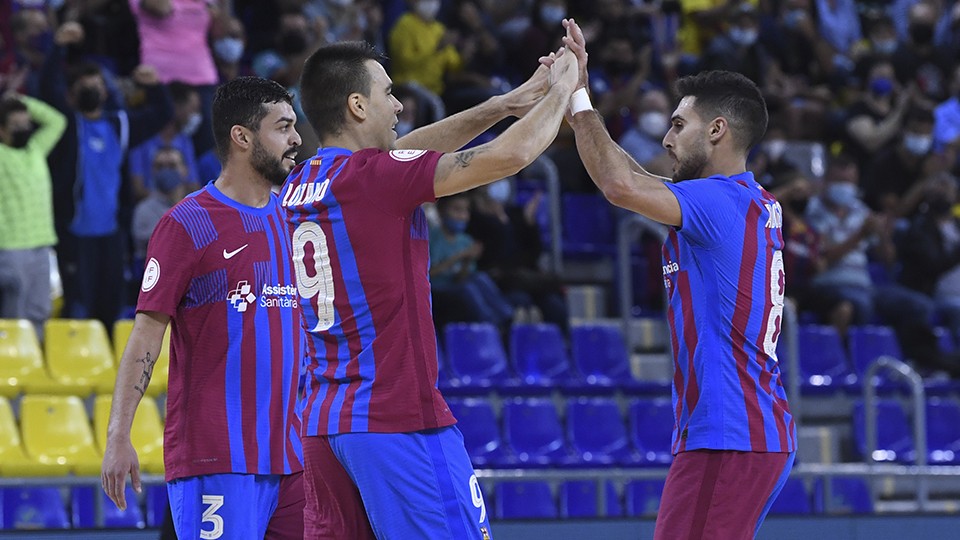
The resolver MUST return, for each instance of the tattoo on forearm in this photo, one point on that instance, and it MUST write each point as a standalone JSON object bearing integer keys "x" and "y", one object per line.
{"x": 148, "y": 363}
{"x": 464, "y": 158}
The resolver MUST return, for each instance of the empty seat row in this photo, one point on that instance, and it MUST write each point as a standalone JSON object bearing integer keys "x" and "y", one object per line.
{"x": 475, "y": 360}
{"x": 77, "y": 358}
{"x": 594, "y": 434}
{"x": 45, "y": 508}
{"x": 55, "y": 436}
{"x": 895, "y": 441}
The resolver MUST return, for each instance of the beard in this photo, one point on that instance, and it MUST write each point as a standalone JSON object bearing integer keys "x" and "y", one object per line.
{"x": 691, "y": 166}
{"x": 270, "y": 167}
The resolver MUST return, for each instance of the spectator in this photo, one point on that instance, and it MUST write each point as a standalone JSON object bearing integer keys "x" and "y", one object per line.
{"x": 87, "y": 177}
{"x": 839, "y": 25}
{"x": 881, "y": 41}
{"x": 512, "y": 250}
{"x": 620, "y": 77}
{"x": 644, "y": 140}
{"x": 892, "y": 173}
{"x": 410, "y": 117}
{"x": 877, "y": 118}
{"x": 918, "y": 60}
{"x": 737, "y": 49}
{"x": 802, "y": 257}
{"x": 31, "y": 33}
{"x": 770, "y": 165}
{"x": 177, "y": 133}
{"x": 26, "y": 207}
{"x": 228, "y": 49}
{"x": 173, "y": 39}
{"x": 946, "y": 131}
{"x": 422, "y": 49}
{"x": 540, "y": 35}
{"x": 169, "y": 173}
{"x": 460, "y": 291}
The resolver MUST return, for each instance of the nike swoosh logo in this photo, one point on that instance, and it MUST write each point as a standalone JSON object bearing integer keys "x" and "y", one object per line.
{"x": 230, "y": 254}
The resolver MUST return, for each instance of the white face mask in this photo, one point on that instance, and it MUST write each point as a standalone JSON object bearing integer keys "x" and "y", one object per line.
{"x": 500, "y": 190}
{"x": 654, "y": 124}
{"x": 228, "y": 49}
{"x": 917, "y": 145}
{"x": 428, "y": 9}
{"x": 193, "y": 123}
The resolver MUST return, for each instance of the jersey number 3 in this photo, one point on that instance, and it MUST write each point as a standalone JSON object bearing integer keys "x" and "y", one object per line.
{"x": 213, "y": 502}
{"x": 314, "y": 275}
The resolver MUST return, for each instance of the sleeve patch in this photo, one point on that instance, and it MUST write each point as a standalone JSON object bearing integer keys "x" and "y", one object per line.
{"x": 406, "y": 155}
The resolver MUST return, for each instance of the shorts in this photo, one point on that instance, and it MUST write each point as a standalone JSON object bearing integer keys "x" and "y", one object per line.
{"x": 720, "y": 494}
{"x": 412, "y": 485}
{"x": 233, "y": 506}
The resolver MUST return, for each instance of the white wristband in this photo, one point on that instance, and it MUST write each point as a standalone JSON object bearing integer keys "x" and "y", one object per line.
{"x": 580, "y": 101}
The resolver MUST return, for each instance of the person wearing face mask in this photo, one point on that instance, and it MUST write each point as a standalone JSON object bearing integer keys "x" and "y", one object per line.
{"x": 228, "y": 49}
{"x": 168, "y": 180}
{"x": 26, "y": 207}
{"x": 422, "y": 49}
{"x": 919, "y": 59}
{"x": 177, "y": 134}
{"x": 90, "y": 195}
{"x": 876, "y": 119}
{"x": 459, "y": 289}
{"x": 891, "y": 174}
{"x": 738, "y": 49}
{"x": 643, "y": 140}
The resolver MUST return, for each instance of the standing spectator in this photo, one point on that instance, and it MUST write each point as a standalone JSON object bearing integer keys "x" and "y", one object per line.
{"x": 86, "y": 168}
{"x": 173, "y": 39}
{"x": 26, "y": 207}
{"x": 422, "y": 49}
{"x": 186, "y": 119}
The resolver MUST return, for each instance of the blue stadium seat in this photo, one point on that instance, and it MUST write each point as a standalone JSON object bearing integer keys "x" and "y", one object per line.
{"x": 823, "y": 361}
{"x": 597, "y": 433}
{"x": 651, "y": 430}
{"x": 578, "y": 499}
{"x": 84, "y": 514}
{"x": 539, "y": 355}
{"x": 534, "y": 433}
{"x": 588, "y": 226}
{"x": 33, "y": 508}
{"x": 156, "y": 504}
{"x": 945, "y": 340}
{"x": 600, "y": 354}
{"x": 643, "y": 497}
{"x": 793, "y": 499}
{"x": 477, "y": 421}
{"x": 894, "y": 440}
{"x": 849, "y": 495}
{"x": 475, "y": 356}
{"x": 943, "y": 431}
{"x": 524, "y": 500}
{"x": 867, "y": 343}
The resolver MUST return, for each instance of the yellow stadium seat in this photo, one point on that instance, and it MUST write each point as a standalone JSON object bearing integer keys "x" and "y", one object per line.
{"x": 158, "y": 382}
{"x": 13, "y": 458}
{"x": 21, "y": 361}
{"x": 56, "y": 430}
{"x": 79, "y": 355}
{"x": 146, "y": 432}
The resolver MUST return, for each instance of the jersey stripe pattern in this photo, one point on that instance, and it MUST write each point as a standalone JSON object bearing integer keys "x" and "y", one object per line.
{"x": 360, "y": 246}
{"x": 223, "y": 272}
{"x": 723, "y": 272}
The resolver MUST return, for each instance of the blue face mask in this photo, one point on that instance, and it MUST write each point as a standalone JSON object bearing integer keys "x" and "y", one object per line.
{"x": 881, "y": 86}
{"x": 166, "y": 180}
{"x": 454, "y": 225}
{"x": 228, "y": 49}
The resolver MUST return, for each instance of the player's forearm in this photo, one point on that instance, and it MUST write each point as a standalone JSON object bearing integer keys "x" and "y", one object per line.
{"x": 134, "y": 373}
{"x": 532, "y": 134}
{"x": 451, "y": 133}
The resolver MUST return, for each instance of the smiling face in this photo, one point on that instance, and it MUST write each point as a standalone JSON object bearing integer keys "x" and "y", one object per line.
{"x": 274, "y": 150}
{"x": 687, "y": 141}
{"x": 381, "y": 107}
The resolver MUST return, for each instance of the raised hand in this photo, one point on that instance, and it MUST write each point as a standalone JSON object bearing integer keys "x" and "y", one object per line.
{"x": 522, "y": 98}
{"x": 69, "y": 33}
{"x": 577, "y": 44}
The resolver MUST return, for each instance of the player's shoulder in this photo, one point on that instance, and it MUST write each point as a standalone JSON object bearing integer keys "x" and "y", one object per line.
{"x": 193, "y": 206}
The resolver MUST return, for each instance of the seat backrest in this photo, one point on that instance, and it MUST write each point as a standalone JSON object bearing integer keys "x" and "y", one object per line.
{"x": 943, "y": 430}
{"x": 867, "y": 343}
{"x": 587, "y": 220}
{"x": 82, "y": 508}
{"x": 528, "y": 499}
{"x": 477, "y": 421}
{"x": 643, "y": 497}
{"x": 532, "y": 428}
{"x": 821, "y": 353}
{"x": 20, "y": 351}
{"x": 600, "y": 353}
{"x": 9, "y": 432}
{"x": 33, "y": 508}
{"x": 894, "y": 439}
{"x": 849, "y": 496}
{"x": 595, "y": 425}
{"x": 78, "y": 348}
{"x": 55, "y": 428}
{"x": 578, "y": 499}
{"x": 146, "y": 433}
{"x": 474, "y": 351}
{"x": 538, "y": 352}
{"x": 651, "y": 428}
{"x": 793, "y": 498}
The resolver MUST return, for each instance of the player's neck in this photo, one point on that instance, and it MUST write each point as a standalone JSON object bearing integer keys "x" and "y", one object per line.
{"x": 349, "y": 139}
{"x": 724, "y": 164}
{"x": 244, "y": 185}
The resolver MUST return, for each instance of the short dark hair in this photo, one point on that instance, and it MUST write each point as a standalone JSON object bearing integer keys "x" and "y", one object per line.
{"x": 240, "y": 102}
{"x": 8, "y": 107}
{"x": 330, "y": 75}
{"x": 732, "y": 96}
{"x": 81, "y": 70}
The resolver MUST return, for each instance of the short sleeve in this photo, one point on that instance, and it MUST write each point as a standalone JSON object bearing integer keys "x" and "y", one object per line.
{"x": 708, "y": 209}
{"x": 397, "y": 181}
{"x": 171, "y": 258}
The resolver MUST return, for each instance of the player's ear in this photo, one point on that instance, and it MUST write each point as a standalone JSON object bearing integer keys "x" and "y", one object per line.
{"x": 241, "y": 136}
{"x": 717, "y": 129}
{"x": 357, "y": 105}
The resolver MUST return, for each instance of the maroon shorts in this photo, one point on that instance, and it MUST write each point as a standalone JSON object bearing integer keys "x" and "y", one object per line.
{"x": 286, "y": 523}
{"x": 720, "y": 495}
{"x": 333, "y": 507}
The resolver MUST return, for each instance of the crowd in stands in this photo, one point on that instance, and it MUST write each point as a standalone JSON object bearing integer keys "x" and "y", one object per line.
{"x": 105, "y": 123}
